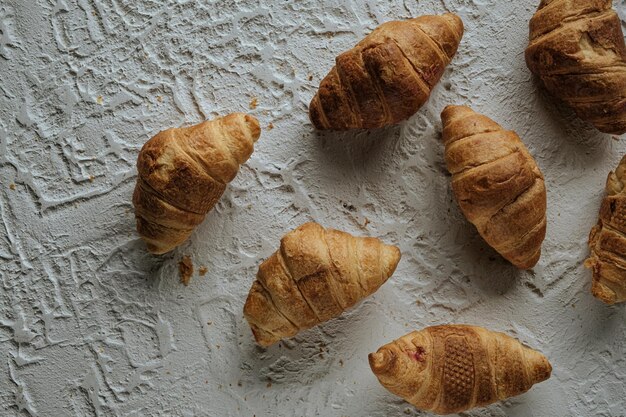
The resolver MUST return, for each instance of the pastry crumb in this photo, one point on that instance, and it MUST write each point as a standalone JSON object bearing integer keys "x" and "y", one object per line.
{"x": 12, "y": 187}
{"x": 310, "y": 77}
{"x": 91, "y": 178}
{"x": 185, "y": 267}
{"x": 270, "y": 126}
{"x": 254, "y": 103}
{"x": 99, "y": 100}
{"x": 160, "y": 99}
{"x": 203, "y": 270}
{"x": 367, "y": 221}
{"x": 269, "y": 384}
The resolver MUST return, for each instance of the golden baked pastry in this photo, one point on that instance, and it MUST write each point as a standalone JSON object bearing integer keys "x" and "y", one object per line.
{"x": 184, "y": 172}
{"x": 497, "y": 184}
{"x": 315, "y": 275}
{"x": 608, "y": 241}
{"x": 454, "y": 368}
{"x": 387, "y": 76}
{"x": 577, "y": 49}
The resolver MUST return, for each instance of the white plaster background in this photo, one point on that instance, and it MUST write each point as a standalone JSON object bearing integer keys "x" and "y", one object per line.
{"x": 91, "y": 325}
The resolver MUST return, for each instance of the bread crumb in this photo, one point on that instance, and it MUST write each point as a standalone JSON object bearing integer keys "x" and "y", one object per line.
{"x": 270, "y": 126}
{"x": 185, "y": 267}
{"x": 12, "y": 187}
{"x": 203, "y": 270}
{"x": 254, "y": 103}
{"x": 209, "y": 323}
{"x": 310, "y": 77}
{"x": 367, "y": 221}
{"x": 91, "y": 178}
{"x": 99, "y": 100}
{"x": 160, "y": 99}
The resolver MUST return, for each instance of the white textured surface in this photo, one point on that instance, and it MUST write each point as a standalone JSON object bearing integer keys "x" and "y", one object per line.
{"x": 90, "y": 325}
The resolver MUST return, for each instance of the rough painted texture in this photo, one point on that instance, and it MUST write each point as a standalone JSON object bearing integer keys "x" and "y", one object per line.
{"x": 91, "y": 325}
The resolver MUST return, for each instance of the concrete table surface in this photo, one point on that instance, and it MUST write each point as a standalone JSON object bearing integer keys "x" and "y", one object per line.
{"x": 92, "y": 325}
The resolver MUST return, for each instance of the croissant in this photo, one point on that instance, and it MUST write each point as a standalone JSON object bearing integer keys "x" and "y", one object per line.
{"x": 315, "y": 275}
{"x": 387, "y": 76}
{"x": 497, "y": 184}
{"x": 577, "y": 49}
{"x": 183, "y": 173}
{"x": 453, "y": 368}
{"x": 608, "y": 242}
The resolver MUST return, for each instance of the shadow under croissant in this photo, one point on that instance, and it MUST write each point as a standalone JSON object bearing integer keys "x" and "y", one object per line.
{"x": 315, "y": 352}
{"x": 586, "y": 141}
{"x": 363, "y": 148}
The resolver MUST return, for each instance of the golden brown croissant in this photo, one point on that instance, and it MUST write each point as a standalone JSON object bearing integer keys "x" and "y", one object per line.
{"x": 497, "y": 184}
{"x": 183, "y": 173}
{"x": 577, "y": 48}
{"x": 450, "y": 369}
{"x": 315, "y": 275}
{"x": 608, "y": 242}
{"x": 387, "y": 76}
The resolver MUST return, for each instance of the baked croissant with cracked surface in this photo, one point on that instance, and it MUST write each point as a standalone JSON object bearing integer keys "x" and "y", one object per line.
{"x": 388, "y": 76}
{"x": 453, "y": 368}
{"x": 184, "y": 172}
{"x": 497, "y": 184}
{"x": 577, "y": 49}
{"x": 315, "y": 275}
{"x": 608, "y": 242}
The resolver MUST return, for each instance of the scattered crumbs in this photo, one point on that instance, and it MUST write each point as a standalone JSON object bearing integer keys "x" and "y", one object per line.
{"x": 269, "y": 384}
{"x": 202, "y": 271}
{"x": 99, "y": 100}
{"x": 367, "y": 221}
{"x": 254, "y": 103}
{"x": 12, "y": 187}
{"x": 91, "y": 178}
{"x": 340, "y": 362}
{"x": 270, "y": 126}
{"x": 185, "y": 267}
{"x": 160, "y": 99}
{"x": 310, "y": 77}
{"x": 349, "y": 207}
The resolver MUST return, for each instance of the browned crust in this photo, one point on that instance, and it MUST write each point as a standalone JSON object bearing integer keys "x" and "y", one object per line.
{"x": 315, "y": 275}
{"x": 497, "y": 184}
{"x": 388, "y": 76}
{"x": 454, "y": 368}
{"x": 577, "y": 49}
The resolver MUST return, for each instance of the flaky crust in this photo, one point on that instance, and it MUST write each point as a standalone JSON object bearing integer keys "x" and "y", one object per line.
{"x": 183, "y": 173}
{"x": 315, "y": 275}
{"x": 387, "y": 76}
{"x": 497, "y": 184}
{"x": 453, "y": 368}
{"x": 608, "y": 241}
{"x": 577, "y": 49}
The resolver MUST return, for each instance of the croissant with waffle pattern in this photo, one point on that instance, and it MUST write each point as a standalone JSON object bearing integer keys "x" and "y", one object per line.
{"x": 315, "y": 275}
{"x": 184, "y": 172}
{"x": 608, "y": 241}
{"x": 387, "y": 76}
{"x": 497, "y": 184}
{"x": 453, "y": 368}
{"x": 577, "y": 49}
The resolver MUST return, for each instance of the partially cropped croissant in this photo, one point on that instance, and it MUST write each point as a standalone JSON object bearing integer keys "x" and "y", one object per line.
{"x": 387, "y": 76}
{"x": 450, "y": 369}
{"x": 608, "y": 241}
{"x": 183, "y": 173}
{"x": 497, "y": 184}
{"x": 577, "y": 48}
{"x": 315, "y": 275}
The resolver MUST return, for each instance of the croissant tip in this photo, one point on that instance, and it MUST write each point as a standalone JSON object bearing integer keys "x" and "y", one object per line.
{"x": 381, "y": 361}
{"x": 455, "y": 21}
